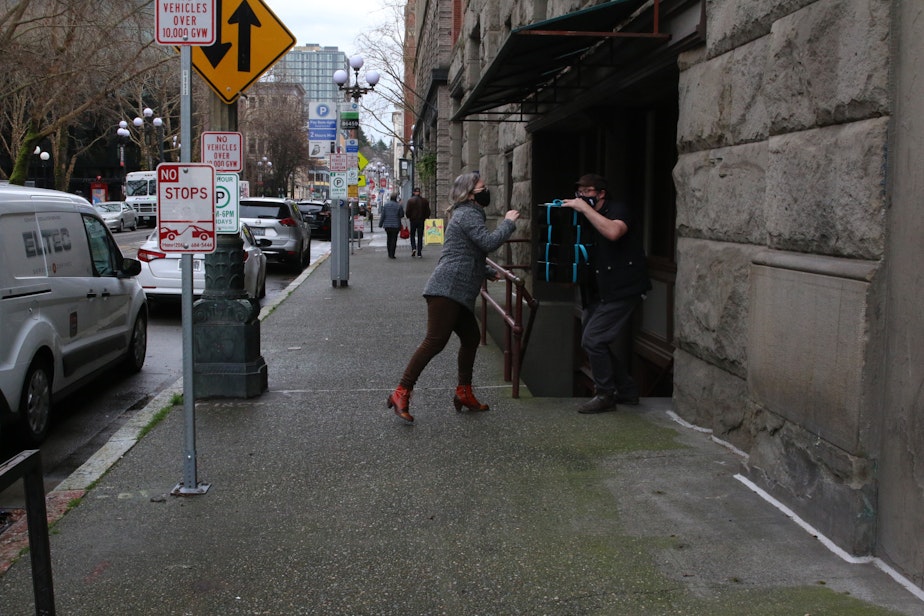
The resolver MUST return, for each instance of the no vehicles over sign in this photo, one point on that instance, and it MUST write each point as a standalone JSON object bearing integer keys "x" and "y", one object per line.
{"x": 224, "y": 151}
{"x": 186, "y": 207}
{"x": 185, "y": 22}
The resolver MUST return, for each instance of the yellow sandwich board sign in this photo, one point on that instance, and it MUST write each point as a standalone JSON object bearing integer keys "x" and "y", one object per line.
{"x": 249, "y": 39}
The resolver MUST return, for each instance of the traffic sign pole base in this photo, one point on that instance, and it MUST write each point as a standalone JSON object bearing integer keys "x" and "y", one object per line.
{"x": 181, "y": 490}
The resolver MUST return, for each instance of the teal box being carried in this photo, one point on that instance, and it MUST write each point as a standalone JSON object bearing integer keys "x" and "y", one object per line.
{"x": 562, "y": 254}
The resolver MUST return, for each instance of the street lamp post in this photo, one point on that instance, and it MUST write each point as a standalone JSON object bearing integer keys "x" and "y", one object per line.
{"x": 356, "y": 91}
{"x": 341, "y": 218}
{"x": 123, "y": 134}
{"x": 263, "y": 166}
{"x": 145, "y": 140}
{"x": 44, "y": 156}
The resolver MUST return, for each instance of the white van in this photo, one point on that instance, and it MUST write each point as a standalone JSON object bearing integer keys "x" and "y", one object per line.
{"x": 141, "y": 195}
{"x": 70, "y": 306}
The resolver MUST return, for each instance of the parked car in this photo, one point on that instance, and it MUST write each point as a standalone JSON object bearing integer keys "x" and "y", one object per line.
{"x": 118, "y": 215}
{"x": 317, "y": 215}
{"x": 70, "y": 306}
{"x": 161, "y": 274}
{"x": 281, "y": 221}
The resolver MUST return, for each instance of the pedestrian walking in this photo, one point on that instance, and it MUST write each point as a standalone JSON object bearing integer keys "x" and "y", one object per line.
{"x": 611, "y": 293}
{"x": 390, "y": 220}
{"x": 452, "y": 289}
{"x": 417, "y": 211}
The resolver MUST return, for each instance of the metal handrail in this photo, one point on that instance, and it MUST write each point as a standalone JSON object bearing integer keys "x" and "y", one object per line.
{"x": 516, "y": 337}
{"x": 27, "y": 465}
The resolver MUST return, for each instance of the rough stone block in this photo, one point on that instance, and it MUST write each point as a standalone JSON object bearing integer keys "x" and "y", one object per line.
{"x": 831, "y": 489}
{"x": 826, "y": 190}
{"x": 721, "y": 193}
{"x": 709, "y": 397}
{"x": 722, "y": 100}
{"x": 808, "y": 342}
{"x": 829, "y": 64}
{"x": 712, "y": 301}
{"x": 732, "y": 23}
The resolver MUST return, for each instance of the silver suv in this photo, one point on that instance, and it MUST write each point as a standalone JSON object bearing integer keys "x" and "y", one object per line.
{"x": 70, "y": 306}
{"x": 280, "y": 221}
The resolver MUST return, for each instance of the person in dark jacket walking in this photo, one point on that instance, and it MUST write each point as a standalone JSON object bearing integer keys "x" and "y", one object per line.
{"x": 452, "y": 289}
{"x": 417, "y": 211}
{"x": 611, "y": 294}
{"x": 390, "y": 220}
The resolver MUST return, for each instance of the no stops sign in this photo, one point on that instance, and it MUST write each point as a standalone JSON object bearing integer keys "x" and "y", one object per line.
{"x": 186, "y": 207}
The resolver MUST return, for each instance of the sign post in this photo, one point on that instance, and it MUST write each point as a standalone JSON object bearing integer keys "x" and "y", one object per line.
{"x": 186, "y": 224}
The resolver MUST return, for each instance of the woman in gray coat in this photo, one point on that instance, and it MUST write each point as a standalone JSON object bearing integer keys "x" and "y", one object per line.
{"x": 452, "y": 290}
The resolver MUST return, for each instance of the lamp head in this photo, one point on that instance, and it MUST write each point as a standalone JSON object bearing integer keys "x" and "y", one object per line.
{"x": 148, "y": 112}
{"x": 356, "y": 62}
{"x": 372, "y": 78}
{"x": 340, "y": 77}
{"x": 138, "y": 122}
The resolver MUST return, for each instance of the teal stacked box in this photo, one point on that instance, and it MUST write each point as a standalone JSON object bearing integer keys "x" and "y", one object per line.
{"x": 563, "y": 245}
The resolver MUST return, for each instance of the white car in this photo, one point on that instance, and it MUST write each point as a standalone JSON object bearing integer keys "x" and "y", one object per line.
{"x": 118, "y": 215}
{"x": 70, "y": 306}
{"x": 161, "y": 273}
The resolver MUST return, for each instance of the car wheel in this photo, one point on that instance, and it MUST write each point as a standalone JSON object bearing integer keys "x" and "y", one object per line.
{"x": 306, "y": 259}
{"x": 35, "y": 403}
{"x": 134, "y": 226}
{"x": 138, "y": 347}
{"x": 297, "y": 262}
{"x": 121, "y": 226}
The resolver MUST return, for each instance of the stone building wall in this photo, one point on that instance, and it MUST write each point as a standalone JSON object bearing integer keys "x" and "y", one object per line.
{"x": 431, "y": 100}
{"x": 781, "y": 212}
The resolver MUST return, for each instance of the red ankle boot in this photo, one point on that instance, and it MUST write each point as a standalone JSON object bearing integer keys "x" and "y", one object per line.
{"x": 465, "y": 397}
{"x": 400, "y": 400}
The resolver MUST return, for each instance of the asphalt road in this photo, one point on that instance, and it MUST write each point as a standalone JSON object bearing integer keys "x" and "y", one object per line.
{"x": 84, "y": 421}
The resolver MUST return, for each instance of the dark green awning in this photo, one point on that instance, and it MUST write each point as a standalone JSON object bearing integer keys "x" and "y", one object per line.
{"x": 534, "y": 55}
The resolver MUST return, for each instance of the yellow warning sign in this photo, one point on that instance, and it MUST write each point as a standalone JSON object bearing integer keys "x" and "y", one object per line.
{"x": 249, "y": 39}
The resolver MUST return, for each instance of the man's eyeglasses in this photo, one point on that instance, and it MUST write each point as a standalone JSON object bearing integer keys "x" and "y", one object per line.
{"x": 585, "y": 192}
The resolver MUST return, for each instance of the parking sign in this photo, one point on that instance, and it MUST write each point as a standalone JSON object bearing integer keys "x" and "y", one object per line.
{"x": 227, "y": 203}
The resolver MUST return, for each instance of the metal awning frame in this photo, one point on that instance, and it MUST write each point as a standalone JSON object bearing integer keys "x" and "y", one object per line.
{"x": 503, "y": 85}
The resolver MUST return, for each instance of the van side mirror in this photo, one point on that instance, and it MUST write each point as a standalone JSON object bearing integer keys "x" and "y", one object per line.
{"x": 130, "y": 267}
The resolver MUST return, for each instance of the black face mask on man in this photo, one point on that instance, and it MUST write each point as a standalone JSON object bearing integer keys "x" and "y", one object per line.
{"x": 591, "y": 201}
{"x": 483, "y": 198}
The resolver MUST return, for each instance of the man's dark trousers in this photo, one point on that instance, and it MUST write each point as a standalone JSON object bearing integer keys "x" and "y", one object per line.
{"x": 417, "y": 234}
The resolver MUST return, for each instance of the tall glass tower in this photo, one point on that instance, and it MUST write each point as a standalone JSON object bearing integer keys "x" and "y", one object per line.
{"x": 312, "y": 67}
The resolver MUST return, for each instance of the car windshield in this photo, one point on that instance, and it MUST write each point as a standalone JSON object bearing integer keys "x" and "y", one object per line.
{"x": 263, "y": 210}
{"x": 311, "y": 207}
{"x": 107, "y": 207}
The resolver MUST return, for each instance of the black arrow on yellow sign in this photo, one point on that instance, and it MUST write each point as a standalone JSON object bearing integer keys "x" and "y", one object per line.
{"x": 246, "y": 19}
{"x": 249, "y": 39}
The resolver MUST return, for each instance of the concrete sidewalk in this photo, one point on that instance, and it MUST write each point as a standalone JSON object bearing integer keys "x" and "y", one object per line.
{"x": 322, "y": 502}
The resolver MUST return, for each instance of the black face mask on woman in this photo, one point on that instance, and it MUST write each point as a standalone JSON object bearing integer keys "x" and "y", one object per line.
{"x": 483, "y": 198}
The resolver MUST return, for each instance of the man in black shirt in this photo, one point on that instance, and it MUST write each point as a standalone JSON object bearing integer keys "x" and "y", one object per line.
{"x": 616, "y": 285}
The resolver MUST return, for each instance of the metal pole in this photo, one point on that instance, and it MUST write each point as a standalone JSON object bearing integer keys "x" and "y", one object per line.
{"x": 190, "y": 484}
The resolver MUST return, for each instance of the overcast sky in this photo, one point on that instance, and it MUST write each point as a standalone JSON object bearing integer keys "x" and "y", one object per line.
{"x": 329, "y": 22}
